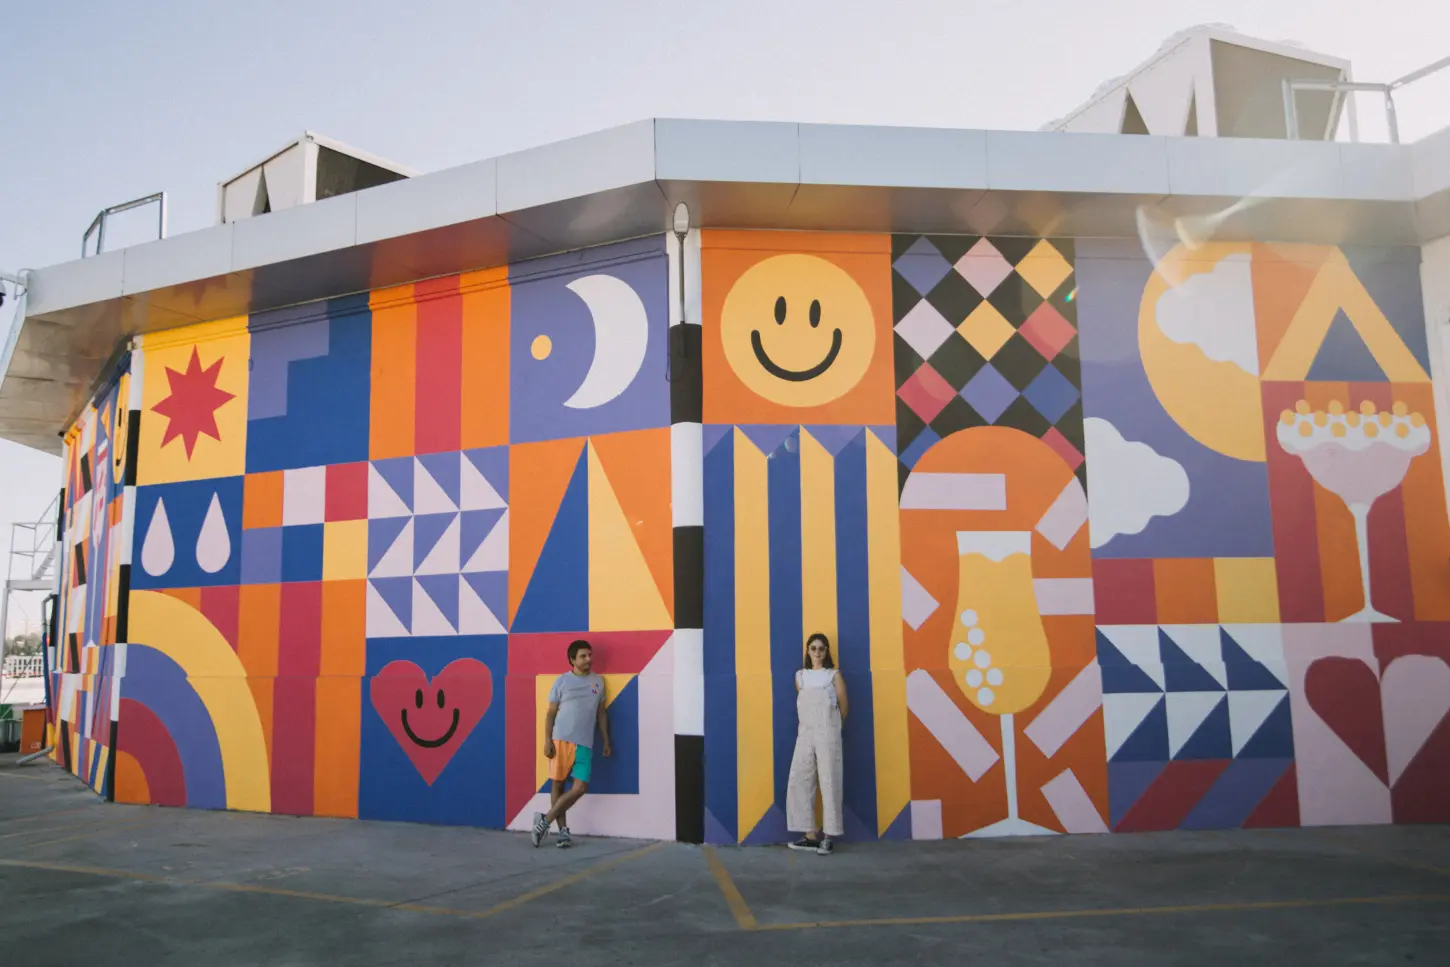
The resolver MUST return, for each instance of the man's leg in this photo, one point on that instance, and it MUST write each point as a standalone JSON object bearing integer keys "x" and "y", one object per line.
{"x": 555, "y": 791}
{"x": 562, "y": 804}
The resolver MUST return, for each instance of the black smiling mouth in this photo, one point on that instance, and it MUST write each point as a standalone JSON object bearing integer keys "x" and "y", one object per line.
{"x": 431, "y": 743}
{"x": 794, "y": 375}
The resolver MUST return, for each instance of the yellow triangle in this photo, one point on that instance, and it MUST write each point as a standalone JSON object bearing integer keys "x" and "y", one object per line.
{"x": 623, "y": 595}
{"x": 1336, "y": 287}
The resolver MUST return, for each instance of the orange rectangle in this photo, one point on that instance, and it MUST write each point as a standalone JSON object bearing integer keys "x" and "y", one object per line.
{"x": 259, "y": 623}
{"x": 394, "y": 376}
{"x": 335, "y": 762}
{"x": 344, "y": 628}
{"x": 262, "y": 692}
{"x": 262, "y": 500}
{"x": 486, "y": 307}
{"x": 1185, "y": 590}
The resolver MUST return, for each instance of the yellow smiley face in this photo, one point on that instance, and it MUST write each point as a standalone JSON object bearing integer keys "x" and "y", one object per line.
{"x": 797, "y": 330}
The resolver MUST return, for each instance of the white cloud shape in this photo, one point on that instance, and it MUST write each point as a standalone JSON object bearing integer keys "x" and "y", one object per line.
{"x": 1215, "y": 312}
{"x": 1130, "y": 483}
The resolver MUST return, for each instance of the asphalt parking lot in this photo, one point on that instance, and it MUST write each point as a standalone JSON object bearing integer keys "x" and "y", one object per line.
{"x": 87, "y": 882}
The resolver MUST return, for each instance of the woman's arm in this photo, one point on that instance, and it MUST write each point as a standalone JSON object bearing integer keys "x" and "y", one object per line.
{"x": 841, "y": 693}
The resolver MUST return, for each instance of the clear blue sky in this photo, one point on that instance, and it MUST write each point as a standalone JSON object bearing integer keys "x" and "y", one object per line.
{"x": 104, "y": 101}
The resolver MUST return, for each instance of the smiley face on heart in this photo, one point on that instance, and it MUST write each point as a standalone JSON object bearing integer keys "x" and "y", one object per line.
{"x": 431, "y": 720}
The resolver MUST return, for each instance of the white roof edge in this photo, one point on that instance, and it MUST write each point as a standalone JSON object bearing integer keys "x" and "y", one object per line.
{"x": 325, "y": 142}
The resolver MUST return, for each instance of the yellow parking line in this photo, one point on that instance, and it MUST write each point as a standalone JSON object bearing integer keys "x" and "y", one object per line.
{"x": 1111, "y": 912}
{"x": 738, "y": 907}
{"x": 510, "y": 904}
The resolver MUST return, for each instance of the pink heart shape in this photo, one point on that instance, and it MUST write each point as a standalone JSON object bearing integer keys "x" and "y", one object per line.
{"x": 431, "y": 720}
{"x": 1416, "y": 693}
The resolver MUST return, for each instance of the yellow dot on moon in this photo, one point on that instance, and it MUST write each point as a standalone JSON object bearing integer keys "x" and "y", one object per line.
{"x": 1305, "y": 429}
{"x": 1301, "y": 407}
{"x": 1367, "y": 408}
{"x": 1338, "y": 429}
{"x": 1371, "y": 430}
{"x": 541, "y": 347}
{"x": 1400, "y": 408}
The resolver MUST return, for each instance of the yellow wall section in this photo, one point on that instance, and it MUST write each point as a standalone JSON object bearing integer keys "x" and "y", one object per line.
{"x": 888, "y": 678}
{"x": 623, "y": 595}
{"x": 754, "y": 752}
{"x": 182, "y": 634}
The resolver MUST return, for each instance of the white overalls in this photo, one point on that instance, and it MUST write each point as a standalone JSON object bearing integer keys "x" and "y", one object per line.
{"x": 817, "y": 756}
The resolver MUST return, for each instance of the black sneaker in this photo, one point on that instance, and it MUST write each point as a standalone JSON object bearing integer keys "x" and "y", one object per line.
{"x": 540, "y": 830}
{"x": 805, "y": 843}
{"x": 824, "y": 848}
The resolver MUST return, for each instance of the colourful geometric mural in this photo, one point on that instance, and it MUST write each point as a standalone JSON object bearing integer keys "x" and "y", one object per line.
{"x": 1101, "y": 543}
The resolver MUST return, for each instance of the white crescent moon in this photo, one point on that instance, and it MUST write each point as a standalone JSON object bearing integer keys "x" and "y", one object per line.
{"x": 621, "y": 332}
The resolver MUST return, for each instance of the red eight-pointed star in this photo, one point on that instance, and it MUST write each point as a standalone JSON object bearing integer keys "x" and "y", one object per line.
{"x": 191, "y": 407}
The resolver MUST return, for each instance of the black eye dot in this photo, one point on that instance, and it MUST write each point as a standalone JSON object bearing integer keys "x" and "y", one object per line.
{"x": 815, "y": 313}
{"x": 440, "y": 698}
{"x": 418, "y": 698}
{"x": 779, "y": 310}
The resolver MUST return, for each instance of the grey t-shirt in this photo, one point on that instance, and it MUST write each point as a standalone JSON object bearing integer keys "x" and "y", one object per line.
{"x": 578, "y": 698}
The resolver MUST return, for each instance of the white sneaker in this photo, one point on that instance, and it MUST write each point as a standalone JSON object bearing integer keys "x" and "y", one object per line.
{"x": 540, "y": 830}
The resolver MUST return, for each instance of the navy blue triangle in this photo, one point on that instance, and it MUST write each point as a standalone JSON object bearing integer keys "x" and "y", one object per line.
{"x": 1127, "y": 781}
{"x": 1119, "y": 674}
{"x": 1275, "y": 738}
{"x": 557, "y": 597}
{"x": 1213, "y": 739}
{"x": 1245, "y": 673}
{"x": 398, "y": 594}
{"x": 1149, "y": 741}
{"x": 1181, "y": 673}
{"x": 428, "y": 529}
{"x": 1343, "y": 356}
{"x": 398, "y": 472}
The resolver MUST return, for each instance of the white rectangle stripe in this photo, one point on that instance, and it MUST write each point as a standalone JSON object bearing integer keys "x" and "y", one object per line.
{"x": 689, "y": 681}
{"x": 687, "y": 481}
{"x": 1064, "y": 595}
{"x": 955, "y": 491}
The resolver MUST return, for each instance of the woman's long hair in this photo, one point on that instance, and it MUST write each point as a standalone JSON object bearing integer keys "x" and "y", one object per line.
{"x": 827, "y": 661}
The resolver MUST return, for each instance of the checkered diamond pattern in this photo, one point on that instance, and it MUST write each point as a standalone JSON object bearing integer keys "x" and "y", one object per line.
{"x": 986, "y": 335}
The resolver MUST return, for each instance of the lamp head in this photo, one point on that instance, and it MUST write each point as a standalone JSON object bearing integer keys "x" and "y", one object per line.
{"x": 682, "y": 219}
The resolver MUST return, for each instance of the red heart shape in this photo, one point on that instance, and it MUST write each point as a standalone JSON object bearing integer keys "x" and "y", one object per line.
{"x": 1345, "y": 693}
{"x": 431, "y": 720}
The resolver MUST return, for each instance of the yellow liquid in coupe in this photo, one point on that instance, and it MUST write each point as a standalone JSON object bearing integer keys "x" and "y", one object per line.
{"x": 998, "y": 650}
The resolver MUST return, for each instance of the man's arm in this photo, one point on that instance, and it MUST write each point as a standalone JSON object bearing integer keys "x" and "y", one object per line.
{"x": 603, "y": 718}
{"x": 549, "y": 729}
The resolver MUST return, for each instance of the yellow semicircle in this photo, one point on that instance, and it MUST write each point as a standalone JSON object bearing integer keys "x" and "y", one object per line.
{"x": 184, "y": 635}
{"x": 1216, "y": 403}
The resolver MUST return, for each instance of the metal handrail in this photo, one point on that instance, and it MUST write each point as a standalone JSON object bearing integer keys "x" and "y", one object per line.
{"x": 98, "y": 224}
{"x": 1338, "y": 88}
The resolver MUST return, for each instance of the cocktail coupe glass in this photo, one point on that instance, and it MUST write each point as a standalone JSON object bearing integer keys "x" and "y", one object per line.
{"x": 1359, "y": 456}
{"x": 999, "y": 656}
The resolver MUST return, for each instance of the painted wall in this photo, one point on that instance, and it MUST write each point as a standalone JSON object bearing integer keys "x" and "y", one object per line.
{"x": 1094, "y": 540}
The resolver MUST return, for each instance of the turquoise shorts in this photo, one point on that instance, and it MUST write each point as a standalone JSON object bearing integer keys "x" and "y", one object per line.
{"x": 583, "y": 763}
{"x": 571, "y": 760}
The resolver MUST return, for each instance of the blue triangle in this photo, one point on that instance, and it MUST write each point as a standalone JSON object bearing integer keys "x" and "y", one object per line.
{"x": 427, "y": 529}
{"x": 715, "y": 831}
{"x": 398, "y": 594}
{"x": 900, "y": 827}
{"x": 835, "y": 438}
{"x": 770, "y": 438}
{"x": 443, "y": 467}
{"x": 557, "y": 598}
{"x": 1245, "y": 673}
{"x": 1149, "y": 741}
{"x": 492, "y": 588}
{"x": 475, "y": 526}
{"x": 770, "y": 830}
{"x": 1127, "y": 781}
{"x": 443, "y": 589}
{"x": 493, "y": 463}
{"x": 1119, "y": 674}
{"x": 1275, "y": 738}
{"x": 382, "y": 532}
{"x": 1181, "y": 673}
{"x": 1343, "y": 356}
{"x": 1212, "y": 740}
{"x": 712, "y": 435}
{"x": 398, "y": 472}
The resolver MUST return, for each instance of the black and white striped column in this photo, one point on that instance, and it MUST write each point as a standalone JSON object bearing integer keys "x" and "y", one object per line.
{"x": 687, "y": 492}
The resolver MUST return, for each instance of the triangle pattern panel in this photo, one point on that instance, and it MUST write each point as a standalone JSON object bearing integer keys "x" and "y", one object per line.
{"x": 1187, "y": 712}
{"x": 475, "y": 527}
{"x": 1148, "y": 741}
{"x": 1275, "y": 738}
{"x": 393, "y": 481}
{"x": 429, "y": 617}
{"x": 390, "y": 602}
{"x": 1248, "y": 711}
{"x": 475, "y": 491}
{"x": 429, "y": 494}
{"x": 492, "y": 553}
{"x": 1211, "y": 740}
{"x": 493, "y": 465}
{"x": 1244, "y": 672}
{"x": 1128, "y": 657}
{"x": 1180, "y": 672}
{"x": 390, "y": 547}
{"x": 443, "y": 469}
{"x": 1123, "y": 713}
{"x": 442, "y": 555}
{"x": 622, "y": 592}
{"x": 482, "y": 601}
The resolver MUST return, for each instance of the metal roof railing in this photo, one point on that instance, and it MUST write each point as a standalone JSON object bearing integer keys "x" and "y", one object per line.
{"x": 98, "y": 224}
{"x": 1340, "y": 88}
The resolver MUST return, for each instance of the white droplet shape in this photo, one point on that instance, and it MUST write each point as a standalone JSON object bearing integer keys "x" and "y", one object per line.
{"x": 213, "y": 544}
{"x": 158, "y": 551}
